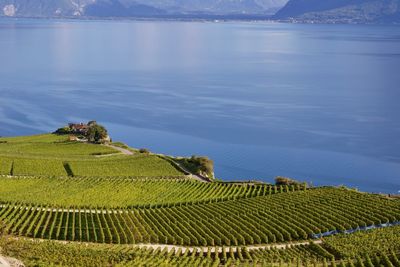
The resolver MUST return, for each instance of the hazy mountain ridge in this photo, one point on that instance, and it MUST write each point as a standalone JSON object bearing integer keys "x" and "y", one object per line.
{"x": 342, "y": 11}
{"x": 126, "y": 8}
{"x": 120, "y": 8}
{"x": 218, "y": 6}
{"x": 314, "y": 11}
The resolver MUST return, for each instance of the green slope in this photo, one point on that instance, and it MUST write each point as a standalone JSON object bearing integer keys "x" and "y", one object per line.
{"x": 54, "y": 155}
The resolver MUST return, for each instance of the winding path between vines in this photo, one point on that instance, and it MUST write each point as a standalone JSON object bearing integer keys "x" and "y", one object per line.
{"x": 183, "y": 249}
{"x": 122, "y": 150}
{"x": 219, "y": 249}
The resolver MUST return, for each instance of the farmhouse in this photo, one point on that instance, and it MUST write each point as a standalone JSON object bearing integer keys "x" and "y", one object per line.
{"x": 79, "y": 128}
{"x": 85, "y": 132}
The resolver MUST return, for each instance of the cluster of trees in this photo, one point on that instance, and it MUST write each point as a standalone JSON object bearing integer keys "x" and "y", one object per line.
{"x": 92, "y": 131}
{"x": 280, "y": 180}
{"x": 96, "y": 133}
{"x": 199, "y": 165}
{"x": 63, "y": 130}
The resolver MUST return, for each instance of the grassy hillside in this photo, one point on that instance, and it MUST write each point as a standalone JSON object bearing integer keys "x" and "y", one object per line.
{"x": 50, "y": 146}
{"x": 54, "y": 155}
{"x": 112, "y": 209}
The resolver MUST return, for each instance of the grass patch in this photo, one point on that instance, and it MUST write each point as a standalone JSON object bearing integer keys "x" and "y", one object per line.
{"x": 47, "y": 167}
{"x": 124, "y": 166}
{"x": 50, "y": 145}
{"x": 5, "y": 166}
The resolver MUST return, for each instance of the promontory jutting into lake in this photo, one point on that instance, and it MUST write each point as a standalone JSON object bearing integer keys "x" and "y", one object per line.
{"x": 200, "y": 133}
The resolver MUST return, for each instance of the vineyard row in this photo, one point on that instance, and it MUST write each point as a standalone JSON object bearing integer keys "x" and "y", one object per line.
{"x": 276, "y": 218}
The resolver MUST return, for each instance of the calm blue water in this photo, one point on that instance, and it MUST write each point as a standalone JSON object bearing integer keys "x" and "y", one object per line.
{"x": 315, "y": 102}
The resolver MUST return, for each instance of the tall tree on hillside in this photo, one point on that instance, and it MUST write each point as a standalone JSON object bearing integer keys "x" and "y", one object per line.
{"x": 97, "y": 133}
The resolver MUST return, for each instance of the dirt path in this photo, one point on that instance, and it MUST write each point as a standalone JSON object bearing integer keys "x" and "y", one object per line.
{"x": 10, "y": 262}
{"x": 122, "y": 150}
{"x": 183, "y": 249}
{"x": 186, "y": 171}
{"x": 219, "y": 249}
{"x": 94, "y": 211}
{"x": 196, "y": 177}
{"x": 4, "y": 262}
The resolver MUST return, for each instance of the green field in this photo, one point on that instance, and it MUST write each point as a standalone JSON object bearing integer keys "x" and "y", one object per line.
{"x": 105, "y": 206}
{"x": 6, "y": 166}
{"x": 49, "y": 145}
{"x": 54, "y": 155}
{"x": 124, "y": 166}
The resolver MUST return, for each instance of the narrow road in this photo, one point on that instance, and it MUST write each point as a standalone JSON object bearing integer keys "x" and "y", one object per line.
{"x": 122, "y": 150}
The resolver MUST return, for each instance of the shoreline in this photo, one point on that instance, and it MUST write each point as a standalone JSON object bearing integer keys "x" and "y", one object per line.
{"x": 203, "y": 18}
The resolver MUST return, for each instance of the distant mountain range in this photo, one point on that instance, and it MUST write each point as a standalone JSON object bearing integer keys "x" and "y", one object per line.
{"x": 341, "y": 11}
{"x": 137, "y": 8}
{"x": 313, "y": 11}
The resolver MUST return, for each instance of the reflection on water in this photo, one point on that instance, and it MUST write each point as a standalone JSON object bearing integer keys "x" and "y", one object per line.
{"x": 315, "y": 102}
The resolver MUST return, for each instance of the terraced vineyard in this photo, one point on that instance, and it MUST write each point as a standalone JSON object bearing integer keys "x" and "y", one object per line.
{"x": 78, "y": 254}
{"x": 364, "y": 243}
{"x": 91, "y": 192}
{"x": 250, "y": 220}
{"x": 103, "y": 255}
{"x": 52, "y": 190}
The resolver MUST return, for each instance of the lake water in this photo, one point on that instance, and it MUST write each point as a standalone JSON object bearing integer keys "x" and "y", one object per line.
{"x": 319, "y": 103}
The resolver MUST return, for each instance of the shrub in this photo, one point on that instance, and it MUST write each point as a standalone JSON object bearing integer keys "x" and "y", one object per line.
{"x": 63, "y": 130}
{"x": 279, "y": 180}
{"x": 204, "y": 165}
{"x": 144, "y": 151}
{"x": 198, "y": 165}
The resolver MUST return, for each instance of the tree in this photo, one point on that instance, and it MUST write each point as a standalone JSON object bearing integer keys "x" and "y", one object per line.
{"x": 285, "y": 181}
{"x": 144, "y": 151}
{"x": 91, "y": 123}
{"x": 63, "y": 130}
{"x": 97, "y": 133}
{"x": 204, "y": 165}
